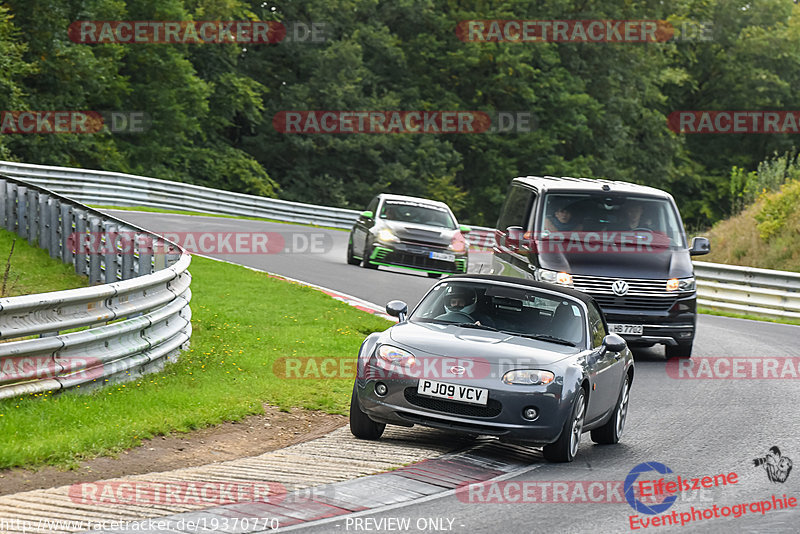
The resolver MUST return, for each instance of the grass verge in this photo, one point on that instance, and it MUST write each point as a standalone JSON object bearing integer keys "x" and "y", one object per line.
{"x": 205, "y": 214}
{"x": 243, "y": 322}
{"x": 32, "y": 269}
{"x": 710, "y": 311}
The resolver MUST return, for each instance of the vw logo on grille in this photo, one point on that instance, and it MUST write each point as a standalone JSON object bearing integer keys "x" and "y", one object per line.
{"x": 457, "y": 370}
{"x": 620, "y": 287}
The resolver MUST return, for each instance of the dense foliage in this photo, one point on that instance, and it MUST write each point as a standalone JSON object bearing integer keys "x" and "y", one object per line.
{"x": 600, "y": 109}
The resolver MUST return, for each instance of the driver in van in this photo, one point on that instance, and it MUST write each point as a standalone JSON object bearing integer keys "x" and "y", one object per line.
{"x": 631, "y": 217}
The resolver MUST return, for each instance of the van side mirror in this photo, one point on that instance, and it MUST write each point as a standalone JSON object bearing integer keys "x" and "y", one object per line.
{"x": 397, "y": 308}
{"x": 513, "y": 237}
{"x": 700, "y": 246}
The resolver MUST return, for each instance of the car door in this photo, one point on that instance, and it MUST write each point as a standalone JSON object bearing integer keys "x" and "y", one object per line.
{"x": 606, "y": 371}
{"x": 511, "y": 247}
{"x": 362, "y": 226}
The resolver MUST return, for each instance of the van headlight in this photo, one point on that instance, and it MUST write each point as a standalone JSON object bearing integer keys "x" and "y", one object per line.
{"x": 681, "y": 284}
{"x": 554, "y": 277}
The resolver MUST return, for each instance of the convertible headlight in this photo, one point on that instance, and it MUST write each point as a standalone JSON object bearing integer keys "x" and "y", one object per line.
{"x": 554, "y": 277}
{"x": 529, "y": 377}
{"x": 681, "y": 284}
{"x": 387, "y": 236}
{"x": 396, "y": 356}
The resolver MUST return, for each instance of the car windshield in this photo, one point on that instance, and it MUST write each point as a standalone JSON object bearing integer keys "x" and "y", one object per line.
{"x": 413, "y": 212}
{"x": 516, "y": 310}
{"x": 612, "y": 217}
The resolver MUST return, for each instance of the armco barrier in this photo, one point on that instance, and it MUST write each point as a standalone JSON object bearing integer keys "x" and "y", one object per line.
{"x": 748, "y": 290}
{"x": 118, "y": 189}
{"x": 146, "y": 295}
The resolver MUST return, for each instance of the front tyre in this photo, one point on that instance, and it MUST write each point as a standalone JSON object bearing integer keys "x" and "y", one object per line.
{"x": 566, "y": 447}
{"x": 351, "y": 260}
{"x": 609, "y": 433}
{"x": 361, "y": 426}
{"x": 681, "y": 350}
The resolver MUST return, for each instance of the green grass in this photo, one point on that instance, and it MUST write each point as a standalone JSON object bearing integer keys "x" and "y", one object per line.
{"x": 243, "y": 321}
{"x": 33, "y": 270}
{"x": 205, "y": 214}
{"x": 721, "y": 313}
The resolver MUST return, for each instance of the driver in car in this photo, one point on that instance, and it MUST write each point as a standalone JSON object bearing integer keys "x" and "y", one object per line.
{"x": 464, "y": 302}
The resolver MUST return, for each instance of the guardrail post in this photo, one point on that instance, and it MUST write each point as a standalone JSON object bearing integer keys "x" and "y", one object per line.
{"x": 3, "y": 194}
{"x": 80, "y": 235}
{"x": 44, "y": 221}
{"x": 95, "y": 274}
{"x": 22, "y": 212}
{"x": 145, "y": 253}
{"x": 55, "y": 228}
{"x": 126, "y": 261}
{"x": 33, "y": 216}
{"x": 11, "y": 207}
{"x": 110, "y": 252}
{"x": 67, "y": 256}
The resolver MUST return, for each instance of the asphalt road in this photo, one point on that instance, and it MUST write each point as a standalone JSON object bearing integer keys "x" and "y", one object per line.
{"x": 695, "y": 427}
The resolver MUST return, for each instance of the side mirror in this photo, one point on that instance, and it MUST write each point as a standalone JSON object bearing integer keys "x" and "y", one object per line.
{"x": 700, "y": 246}
{"x": 513, "y": 237}
{"x": 614, "y": 343}
{"x": 465, "y": 229}
{"x": 397, "y": 308}
{"x": 367, "y": 215}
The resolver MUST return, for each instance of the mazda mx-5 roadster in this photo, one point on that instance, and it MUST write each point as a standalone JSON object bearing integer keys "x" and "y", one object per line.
{"x": 525, "y": 361}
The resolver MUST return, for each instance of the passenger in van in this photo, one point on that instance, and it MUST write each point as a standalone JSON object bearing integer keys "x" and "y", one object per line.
{"x": 561, "y": 219}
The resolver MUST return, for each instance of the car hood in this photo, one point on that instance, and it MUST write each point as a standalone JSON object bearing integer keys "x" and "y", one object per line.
{"x": 420, "y": 232}
{"x": 658, "y": 264}
{"x": 492, "y": 348}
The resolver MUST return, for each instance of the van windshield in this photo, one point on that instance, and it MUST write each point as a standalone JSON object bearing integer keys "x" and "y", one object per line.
{"x": 612, "y": 217}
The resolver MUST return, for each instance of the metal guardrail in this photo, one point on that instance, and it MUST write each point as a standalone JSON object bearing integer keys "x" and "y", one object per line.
{"x": 118, "y": 189}
{"x": 138, "y": 318}
{"x": 748, "y": 290}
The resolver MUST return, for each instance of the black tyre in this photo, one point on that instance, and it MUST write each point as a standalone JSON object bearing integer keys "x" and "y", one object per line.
{"x": 351, "y": 260}
{"x": 434, "y": 275}
{"x": 566, "y": 447}
{"x": 366, "y": 263}
{"x": 609, "y": 433}
{"x": 681, "y": 350}
{"x": 361, "y": 426}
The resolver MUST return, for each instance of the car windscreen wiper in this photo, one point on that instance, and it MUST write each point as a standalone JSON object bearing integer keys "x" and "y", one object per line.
{"x": 474, "y": 325}
{"x": 543, "y": 337}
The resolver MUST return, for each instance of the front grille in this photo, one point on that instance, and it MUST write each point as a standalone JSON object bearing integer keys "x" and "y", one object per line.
{"x": 602, "y": 284}
{"x": 635, "y": 303}
{"x": 492, "y": 408}
{"x": 421, "y": 262}
{"x": 419, "y": 242}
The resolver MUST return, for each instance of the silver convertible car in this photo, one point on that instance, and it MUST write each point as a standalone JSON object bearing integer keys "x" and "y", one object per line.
{"x": 525, "y": 361}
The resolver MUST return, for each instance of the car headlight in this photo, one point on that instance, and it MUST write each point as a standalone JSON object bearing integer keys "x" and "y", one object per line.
{"x": 528, "y": 377}
{"x": 681, "y": 284}
{"x": 396, "y": 356}
{"x": 387, "y": 236}
{"x": 458, "y": 243}
{"x": 554, "y": 277}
